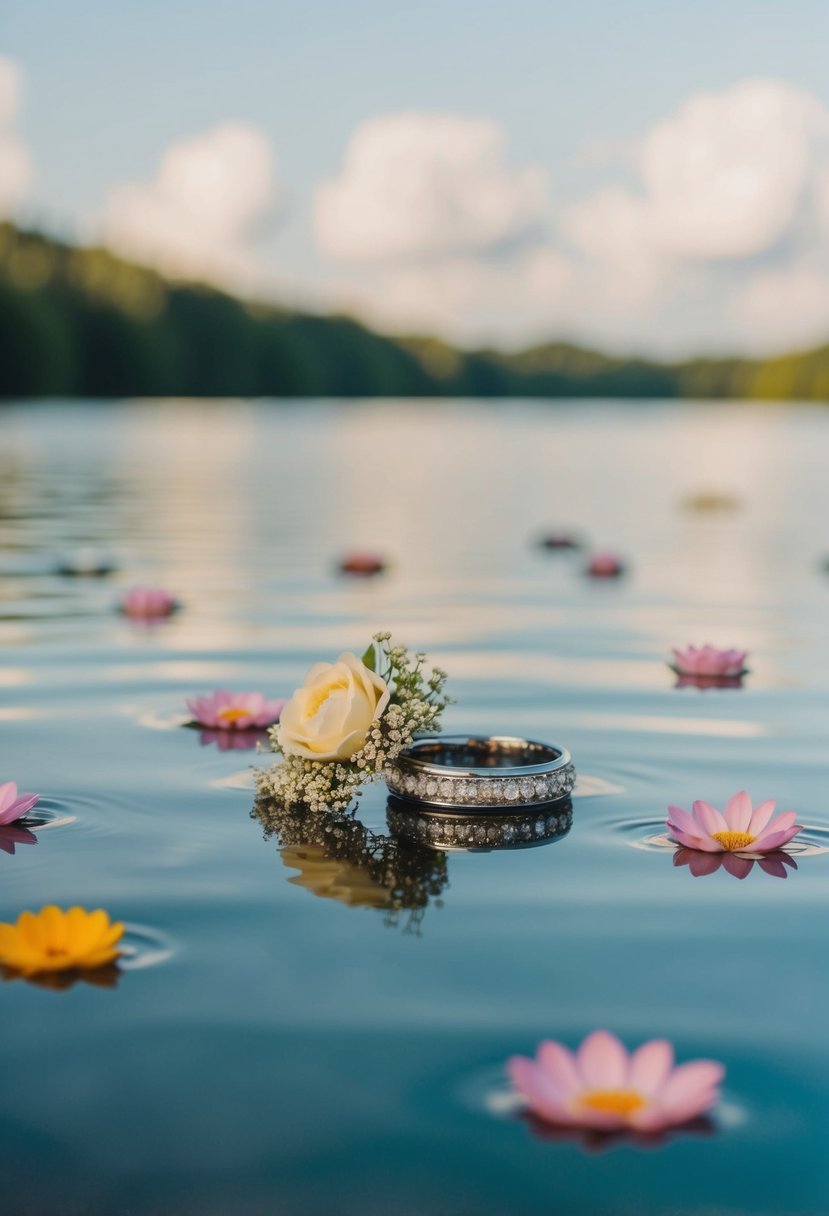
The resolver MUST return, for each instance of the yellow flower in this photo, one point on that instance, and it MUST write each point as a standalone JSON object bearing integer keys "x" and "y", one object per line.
{"x": 54, "y": 940}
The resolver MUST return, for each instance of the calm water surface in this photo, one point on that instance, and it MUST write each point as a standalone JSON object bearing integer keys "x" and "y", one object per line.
{"x": 315, "y": 1020}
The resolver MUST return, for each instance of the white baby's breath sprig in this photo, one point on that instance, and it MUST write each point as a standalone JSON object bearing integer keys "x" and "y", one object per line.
{"x": 415, "y": 704}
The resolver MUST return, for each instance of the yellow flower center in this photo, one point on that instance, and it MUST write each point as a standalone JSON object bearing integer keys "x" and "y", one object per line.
{"x": 733, "y": 841}
{"x": 232, "y": 715}
{"x": 621, "y": 1102}
{"x": 318, "y": 699}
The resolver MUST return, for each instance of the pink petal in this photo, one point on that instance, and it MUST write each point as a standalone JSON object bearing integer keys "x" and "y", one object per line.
{"x": 559, "y": 1064}
{"x": 760, "y": 817}
{"x": 602, "y": 1061}
{"x": 532, "y": 1084}
{"x": 688, "y": 1081}
{"x": 650, "y": 1066}
{"x": 775, "y": 840}
{"x": 682, "y": 820}
{"x": 709, "y": 818}
{"x": 738, "y": 812}
{"x": 8, "y": 793}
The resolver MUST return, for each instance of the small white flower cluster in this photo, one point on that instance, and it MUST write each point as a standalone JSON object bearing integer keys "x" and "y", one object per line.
{"x": 415, "y": 707}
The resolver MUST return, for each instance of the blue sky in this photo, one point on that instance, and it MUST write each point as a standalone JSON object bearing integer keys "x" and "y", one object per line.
{"x": 572, "y": 89}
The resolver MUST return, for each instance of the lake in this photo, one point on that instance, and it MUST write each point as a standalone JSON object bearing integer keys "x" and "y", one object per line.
{"x": 314, "y": 1018}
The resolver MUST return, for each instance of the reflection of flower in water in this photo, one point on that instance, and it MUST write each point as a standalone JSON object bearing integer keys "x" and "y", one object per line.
{"x": 593, "y": 1141}
{"x": 12, "y": 834}
{"x": 706, "y": 682}
{"x": 738, "y": 865}
{"x": 338, "y": 857}
{"x": 233, "y": 740}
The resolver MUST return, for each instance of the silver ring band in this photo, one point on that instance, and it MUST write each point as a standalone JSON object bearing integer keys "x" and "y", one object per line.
{"x": 495, "y": 772}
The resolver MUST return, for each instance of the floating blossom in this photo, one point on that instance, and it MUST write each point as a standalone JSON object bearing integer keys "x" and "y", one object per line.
{"x": 740, "y": 828}
{"x": 54, "y": 940}
{"x": 601, "y": 1086}
{"x": 702, "y": 864}
{"x": 148, "y": 603}
{"x": 604, "y": 565}
{"x": 223, "y": 710}
{"x": 14, "y": 806}
{"x": 560, "y": 540}
{"x": 363, "y": 564}
{"x": 348, "y": 721}
{"x": 709, "y": 662}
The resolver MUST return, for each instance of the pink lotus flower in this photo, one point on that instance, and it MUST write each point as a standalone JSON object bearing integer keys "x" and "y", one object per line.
{"x": 148, "y": 603}
{"x": 709, "y": 661}
{"x": 604, "y": 565}
{"x": 702, "y": 864}
{"x": 738, "y": 829}
{"x": 14, "y": 806}
{"x": 600, "y": 1086}
{"x": 223, "y": 710}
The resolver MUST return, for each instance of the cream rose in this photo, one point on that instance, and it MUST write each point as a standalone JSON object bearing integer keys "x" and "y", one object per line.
{"x": 331, "y": 715}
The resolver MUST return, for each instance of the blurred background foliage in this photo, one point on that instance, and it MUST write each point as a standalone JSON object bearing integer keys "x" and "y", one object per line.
{"x": 82, "y": 322}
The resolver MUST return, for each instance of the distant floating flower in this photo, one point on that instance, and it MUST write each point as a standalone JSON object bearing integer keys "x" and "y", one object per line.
{"x": 13, "y": 834}
{"x": 363, "y": 564}
{"x": 560, "y": 540}
{"x": 604, "y": 565}
{"x": 711, "y": 500}
{"x": 702, "y": 864}
{"x": 601, "y": 1086}
{"x": 708, "y": 682}
{"x": 14, "y": 806}
{"x": 709, "y": 662}
{"x": 740, "y": 828}
{"x": 54, "y": 940}
{"x": 148, "y": 603}
{"x": 86, "y": 563}
{"x": 223, "y": 710}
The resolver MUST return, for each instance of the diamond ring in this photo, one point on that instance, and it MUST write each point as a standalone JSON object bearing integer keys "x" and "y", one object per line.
{"x": 489, "y": 772}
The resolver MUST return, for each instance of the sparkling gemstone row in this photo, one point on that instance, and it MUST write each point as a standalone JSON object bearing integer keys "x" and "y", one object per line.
{"x": 481, "y": 791}
{"x": 459, "y": 833}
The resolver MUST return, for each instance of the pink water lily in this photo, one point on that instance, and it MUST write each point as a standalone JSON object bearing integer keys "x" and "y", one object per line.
{"x": 601, "y": 1086}
{"x": 14, "y": 806}
{"x": 740, "y": 828}
{"x": 709, "y": 661}
{"x": 148, "y": 603}
{"x": 604, "y": 565}
{"x": 224, "y": 710}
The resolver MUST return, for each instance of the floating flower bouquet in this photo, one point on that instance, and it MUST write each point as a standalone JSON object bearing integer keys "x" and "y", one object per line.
{"x": 348, "y": 721}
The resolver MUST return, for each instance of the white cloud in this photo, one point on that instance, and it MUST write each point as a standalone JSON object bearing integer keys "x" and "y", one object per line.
{"x": 417, "y": 186}
{"x": 15, "y": 163}
{"x": 197, "y": 216}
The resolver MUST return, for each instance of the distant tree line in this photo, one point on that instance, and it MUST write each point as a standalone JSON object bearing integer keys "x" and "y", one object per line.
{"x": 82, "y": 322}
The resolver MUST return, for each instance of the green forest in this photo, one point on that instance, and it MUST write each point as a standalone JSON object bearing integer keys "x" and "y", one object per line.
{"x": 78, "y": 322}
